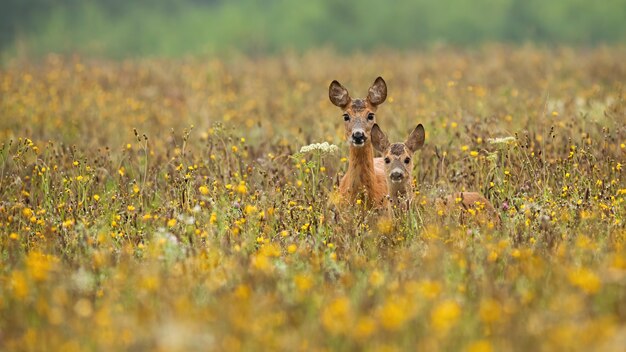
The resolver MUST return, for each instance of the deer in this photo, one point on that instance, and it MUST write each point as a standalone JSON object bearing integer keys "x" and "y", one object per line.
{"x": 365, "y": 174}
{"x": 398, "y": 165}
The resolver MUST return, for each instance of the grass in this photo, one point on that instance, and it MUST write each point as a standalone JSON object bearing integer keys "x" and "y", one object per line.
{"x": 165, "y": 205}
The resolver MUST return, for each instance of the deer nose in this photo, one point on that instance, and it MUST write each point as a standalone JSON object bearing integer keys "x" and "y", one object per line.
{"x": 396, "y": 176}
{"x": 358, "y": 137}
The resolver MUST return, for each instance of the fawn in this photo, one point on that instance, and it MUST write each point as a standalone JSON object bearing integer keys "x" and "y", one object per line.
{"x": 398, "y": 159}
{"x": 365, "y": 174}
{"x": 398, "y": 169}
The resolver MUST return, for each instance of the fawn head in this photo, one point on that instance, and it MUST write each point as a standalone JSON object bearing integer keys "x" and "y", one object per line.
{"x": 398, "y": 156}
{"x": 359, "y": 115}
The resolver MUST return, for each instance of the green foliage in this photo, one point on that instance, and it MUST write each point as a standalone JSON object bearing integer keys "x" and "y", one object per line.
{"x": 166, "y": 27}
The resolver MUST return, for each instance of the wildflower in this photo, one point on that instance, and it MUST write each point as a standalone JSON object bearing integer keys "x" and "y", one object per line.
{"x": 250, "y": 209}
{"x": 376, "y": 278}
{"x": 39, "y": 265}
{"x": 501, "y": 140}
{"x": 322, "y": 147}
{"x": 393, "y": 314}
{"x": 365, "y": 326}
{"x": 585, "y": 279}
{"x": 171, "y": 223}
{"x": 27, "y": 212}
{"x": 480, "y": 346}
{"x": 204, "y": 190}
{"x": 490, "y": 311}
{"x": 474, "y": 153}
{"x": 336, "y": 316}
{"x": 303, "y": 282}
{"x": 385, "y": 226}
{"x": 445, "y": 315}
{"x": 241, "y": 188}
{"x": 130, "y": 208}
{"x": 292, "y": 248}
{"x": 18, "y": 284}
{"x": 96, "y": 197}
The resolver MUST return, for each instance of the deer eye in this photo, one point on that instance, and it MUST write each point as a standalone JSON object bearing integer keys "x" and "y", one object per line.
{"x": 407, "y": 160}
{"x": 346, "y": 117}
{"x": 387, "y": 160}
{"x": 370, "y": 116}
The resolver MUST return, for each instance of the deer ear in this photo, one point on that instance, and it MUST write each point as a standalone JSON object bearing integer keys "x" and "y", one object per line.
{"x": 416, "y": 138}
{"x": 379, "y": 140}
{"x": 377, "y": 92}
{"x": 338, "y": 94}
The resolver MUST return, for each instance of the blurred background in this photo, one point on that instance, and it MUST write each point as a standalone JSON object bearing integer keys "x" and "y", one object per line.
{"x": 120, "y": 28}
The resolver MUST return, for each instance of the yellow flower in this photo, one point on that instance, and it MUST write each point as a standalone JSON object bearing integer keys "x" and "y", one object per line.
{"x": 479, "y": 346}
{"x": 303, "y": 282}
{"x": 130, "y": 208}
{"x": 27, "y": 212}
{"x": 292, "y": 248}
{"x": 490, "y": 311}
{"x": 445, "y": 315}
{"x": 385, "y": 225}
{"x": 585, "y": 279}
{"x": 204, "y": 190}
{"x": 96, "y": 197}
{"x": 39, "y": 265}
{"x": 241, "y": 188}
{"x": 365, "y": 326}
{"x": 337, "y": 316}
{"x": 171, "y": 223}
{"x": 394, "y": 313}
{"x": 250, "y": 209}
{"x": 18, "y": 284}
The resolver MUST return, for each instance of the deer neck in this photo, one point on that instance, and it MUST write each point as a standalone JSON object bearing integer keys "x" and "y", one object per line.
{"x": 361, "y": 168}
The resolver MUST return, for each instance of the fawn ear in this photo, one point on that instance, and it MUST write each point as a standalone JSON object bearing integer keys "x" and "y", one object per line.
{"x": 416, "y": 138}
{"x": 377, "y": 92}
{"x": 338, "y": 94}
{"x": 379, "y": 140}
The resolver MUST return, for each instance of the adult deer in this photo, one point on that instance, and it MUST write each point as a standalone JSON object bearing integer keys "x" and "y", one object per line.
{"x": 398, "y": 159}
{"x": 365, "y": 174}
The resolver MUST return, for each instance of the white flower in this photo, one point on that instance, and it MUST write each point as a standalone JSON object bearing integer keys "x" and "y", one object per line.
{"x": 501, "y": 140}
{"x": 322, "y": 147}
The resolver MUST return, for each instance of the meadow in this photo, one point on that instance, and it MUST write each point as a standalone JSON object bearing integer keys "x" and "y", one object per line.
{"x": 165, "y": 204}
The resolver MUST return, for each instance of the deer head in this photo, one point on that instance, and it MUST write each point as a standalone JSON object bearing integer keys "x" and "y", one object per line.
{"x": 398, "y": 157}
{"x": 359, "y": 115}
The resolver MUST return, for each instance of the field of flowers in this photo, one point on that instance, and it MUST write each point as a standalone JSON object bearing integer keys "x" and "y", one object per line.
{"x": 165, "y": 205}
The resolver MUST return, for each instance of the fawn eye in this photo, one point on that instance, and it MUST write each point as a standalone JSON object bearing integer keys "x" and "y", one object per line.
{"x": 387, "y": 160}
{"x": 407, "y": 160}
{"x": 346, "y": 117}
{"x": 370, "y": 116}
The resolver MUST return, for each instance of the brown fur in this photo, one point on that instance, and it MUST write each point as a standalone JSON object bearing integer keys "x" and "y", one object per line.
{"x": 401, "y": 193}
{"x": 365, "y": 174}
{"x": 473, "y": 200}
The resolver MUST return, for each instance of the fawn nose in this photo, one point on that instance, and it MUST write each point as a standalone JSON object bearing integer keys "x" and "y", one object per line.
{"x": 358, "y": 137}
{"x": 396, "y": 176}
